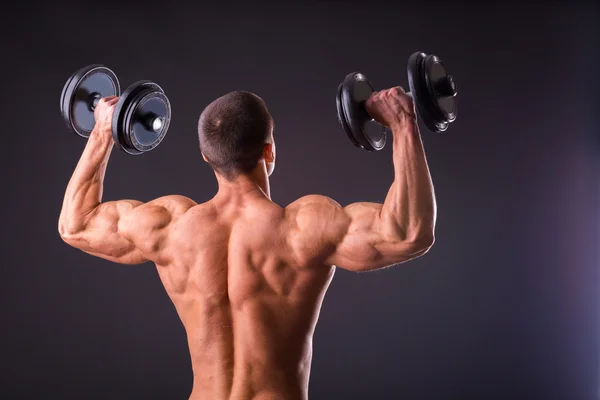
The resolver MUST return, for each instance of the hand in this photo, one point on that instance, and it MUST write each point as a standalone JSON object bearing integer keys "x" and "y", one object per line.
{"x": 392, "y": 108}
{"x": 103, "y": 114}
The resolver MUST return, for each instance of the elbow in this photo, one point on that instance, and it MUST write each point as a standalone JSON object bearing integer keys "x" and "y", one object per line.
{"x": 426, "y": 242}
{"x": 422, "y": 243}
{"x": 64, "y": 232}
{"x": 68, "y": 232}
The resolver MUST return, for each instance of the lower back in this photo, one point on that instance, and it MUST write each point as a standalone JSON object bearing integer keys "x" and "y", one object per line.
{"x": 264, "y": 352}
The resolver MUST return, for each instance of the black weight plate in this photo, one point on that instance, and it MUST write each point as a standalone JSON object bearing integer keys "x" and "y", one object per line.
{"x": 76, "y": 96}
{"x": 356, "y": 90}
{"x": 435, "y": 75}
{"x": 66, "y": 95}
{"x": 420, "y": 94}
{"x": 121, "y": 109}
{"x": 64, "y": 106}
{"x": 148, "y": 104}
{"x": 342, "y": 117}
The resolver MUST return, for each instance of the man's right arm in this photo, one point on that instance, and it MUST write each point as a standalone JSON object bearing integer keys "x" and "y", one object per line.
{"x": 368, "y": 236}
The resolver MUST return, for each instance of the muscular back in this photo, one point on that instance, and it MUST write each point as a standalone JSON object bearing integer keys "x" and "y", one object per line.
{"x": 246, "y": 276}
{"x": 248, "y": 304}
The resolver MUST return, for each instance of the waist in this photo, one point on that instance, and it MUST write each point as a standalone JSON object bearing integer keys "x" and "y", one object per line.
{"x": 250, "y": 382}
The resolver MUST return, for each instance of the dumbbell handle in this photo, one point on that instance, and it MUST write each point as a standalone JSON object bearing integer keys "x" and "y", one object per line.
{"x": 152, "y": 122}
{"x": 94, "y": 100}
{"x": 386, "y": 130}
{"x": 409, "y": 94}
{"x": 446, "y": 88}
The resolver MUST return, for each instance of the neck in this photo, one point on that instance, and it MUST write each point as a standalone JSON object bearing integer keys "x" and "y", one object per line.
{"x": 254, "y": 183}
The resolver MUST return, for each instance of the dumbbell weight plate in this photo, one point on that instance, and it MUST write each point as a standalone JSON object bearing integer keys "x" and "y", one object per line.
{"x": 352, "y": 94}
{"x": 425, "y": 73}
{"x": 76, "y": 96}
{"x": 118, "y": 127}
{"x": 436, "y": 75}
{"x": 342, "y": 117}
{"x": 131, "y": 129}
{"x": 149, "y": 105}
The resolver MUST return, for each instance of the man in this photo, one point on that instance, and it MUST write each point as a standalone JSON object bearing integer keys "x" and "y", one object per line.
{"x": 246, "y": 276}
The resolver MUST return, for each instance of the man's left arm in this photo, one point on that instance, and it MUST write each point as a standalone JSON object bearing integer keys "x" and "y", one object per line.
{"x": 124, "y": 231}
{"x": 85, "y": 222}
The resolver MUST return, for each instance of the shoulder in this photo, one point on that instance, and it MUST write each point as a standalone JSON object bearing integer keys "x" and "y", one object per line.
{"x": 159, "y": 211}
{"x": 310, "y": 203}
{"x": 174, "y": 200}
{"x": 173, "y": 204}
{"x": 314, "y": 214}
{"x": 316, "y": 224}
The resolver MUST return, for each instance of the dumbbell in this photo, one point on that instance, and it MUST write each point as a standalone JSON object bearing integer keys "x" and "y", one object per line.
{"x": 141, "y": 117}
{"x": 433, "y": 91}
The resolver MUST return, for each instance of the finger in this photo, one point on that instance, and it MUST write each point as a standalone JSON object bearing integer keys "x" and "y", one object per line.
{"x": 380, "y": 95}
{"x": 372, "y": 98}
{"x": 107, "y": 101}
{"x": 396, "y": 91}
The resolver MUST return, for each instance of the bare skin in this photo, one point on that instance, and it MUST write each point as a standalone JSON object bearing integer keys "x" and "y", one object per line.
{"x": 246, "y": 276}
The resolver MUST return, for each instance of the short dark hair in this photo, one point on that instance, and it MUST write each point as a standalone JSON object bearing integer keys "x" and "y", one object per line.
{"x": 233, "y": 131}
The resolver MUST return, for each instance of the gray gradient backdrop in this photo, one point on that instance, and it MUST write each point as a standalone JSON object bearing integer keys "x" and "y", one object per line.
{"x": 503, "y": 307}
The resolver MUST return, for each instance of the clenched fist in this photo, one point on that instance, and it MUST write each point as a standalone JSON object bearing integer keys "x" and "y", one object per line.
{"x": 392, "y": 108}
{"x": 103, "y": 114}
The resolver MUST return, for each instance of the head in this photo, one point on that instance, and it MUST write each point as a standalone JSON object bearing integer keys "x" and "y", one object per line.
{"x": 236, "y": 135}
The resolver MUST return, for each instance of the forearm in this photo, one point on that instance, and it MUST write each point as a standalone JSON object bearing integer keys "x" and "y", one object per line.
{"x": 84, "y": 191}
{"x": 409, "y": 210}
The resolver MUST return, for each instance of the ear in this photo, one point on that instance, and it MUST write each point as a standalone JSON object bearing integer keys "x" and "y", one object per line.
{"x": 204, "y": 157}
{"x": 269, "y": 153}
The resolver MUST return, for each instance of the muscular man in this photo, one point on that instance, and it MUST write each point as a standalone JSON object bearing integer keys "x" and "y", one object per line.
{"x": 247, "y": 276}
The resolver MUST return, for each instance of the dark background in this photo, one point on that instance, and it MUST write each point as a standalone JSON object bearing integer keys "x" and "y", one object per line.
{"x": 505, "y": 305}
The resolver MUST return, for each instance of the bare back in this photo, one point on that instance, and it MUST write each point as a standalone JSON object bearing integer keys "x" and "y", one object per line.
{"x": 248, "y": 277}
{"x": 248, "y": 305}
